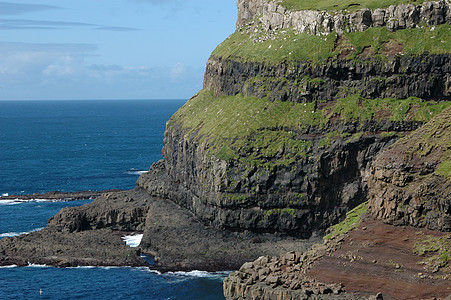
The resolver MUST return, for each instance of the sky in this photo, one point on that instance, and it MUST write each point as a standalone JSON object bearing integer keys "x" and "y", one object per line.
{"x": 108, "y": 49}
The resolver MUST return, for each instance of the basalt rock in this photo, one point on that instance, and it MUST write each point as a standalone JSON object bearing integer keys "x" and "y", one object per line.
{"x": 407, "y": 186}
{"x": 395, "y": 17}
{"x": 425, "y": 76}
{"x": 124, "y": 211}
{"x": 298, "y": 198}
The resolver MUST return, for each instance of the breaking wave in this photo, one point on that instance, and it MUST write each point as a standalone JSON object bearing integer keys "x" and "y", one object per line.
{"x": 132, "y": 240}
{"x": 11, "y": 234}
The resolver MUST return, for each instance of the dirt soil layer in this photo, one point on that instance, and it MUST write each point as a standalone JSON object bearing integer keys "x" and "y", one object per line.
{"x": 379, "y": 258}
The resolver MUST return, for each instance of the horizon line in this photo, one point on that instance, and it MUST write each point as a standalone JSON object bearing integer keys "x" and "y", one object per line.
{"x": 104, "y": 99}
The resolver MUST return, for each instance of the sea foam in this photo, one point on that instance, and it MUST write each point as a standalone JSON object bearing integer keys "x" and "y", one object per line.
{"x": 196, "y": 273}
{"x": 21, "y": 201}
{"x": 11, "y": 234}
{"x": 132, "y": 240}
{"x": 136, "y": 172}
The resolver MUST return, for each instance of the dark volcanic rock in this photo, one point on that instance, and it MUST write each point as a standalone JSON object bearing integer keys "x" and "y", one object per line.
{"x": 423, "y": 76}
{"x": 180, "y": 242}
{"x": 89, "y": 235}
{"x": 406, "y": 185}
{"x": 125, "y": 210}
{"x": 299, "y": 198}
{"x": 100, "y": 247}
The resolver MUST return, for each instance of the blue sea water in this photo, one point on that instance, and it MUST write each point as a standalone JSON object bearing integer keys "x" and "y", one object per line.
{"x": 83, "y": 145}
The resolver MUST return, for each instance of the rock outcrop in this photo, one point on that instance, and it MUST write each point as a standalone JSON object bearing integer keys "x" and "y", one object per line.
{"x": 425, "y": 76}
{"x": 124, "y": 211}
{"x": 274, "y": 15}
{"x": 240, "y": 157}
{"x": 278, "y": 146}
{"x": 410, "y": 182}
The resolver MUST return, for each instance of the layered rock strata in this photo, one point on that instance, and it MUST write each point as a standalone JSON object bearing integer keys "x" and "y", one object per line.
{"x": 298, "y": 199}
{"x": 275, "y": 16}
{"x": 425, "y": 76}
{"x": 410, "y": 183}
{"x": 299, "y": 173}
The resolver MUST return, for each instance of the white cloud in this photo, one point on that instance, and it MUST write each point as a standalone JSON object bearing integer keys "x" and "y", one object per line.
{"x": 62, "y": 71}
{"x": 177, "y": 70}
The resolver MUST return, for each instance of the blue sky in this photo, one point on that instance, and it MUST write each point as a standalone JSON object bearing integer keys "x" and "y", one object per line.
{"x": 108, "y": 49}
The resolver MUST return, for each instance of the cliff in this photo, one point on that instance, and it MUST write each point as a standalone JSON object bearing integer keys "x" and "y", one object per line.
{"x": 282, "y": 142}
{"x": 410, "y": 182}
{"x": 282, "y": 135}
{"x": 361, "y": 257}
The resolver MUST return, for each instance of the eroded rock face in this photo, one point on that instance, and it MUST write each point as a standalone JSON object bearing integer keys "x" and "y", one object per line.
{"x": 116, "y": 210}
{"x": 298, "y": 198}
{"x": 405, "y": 187}
{"x": 424, "y": 76}
{"x": 274, "y": 16}
{"x": 51, "y": 247}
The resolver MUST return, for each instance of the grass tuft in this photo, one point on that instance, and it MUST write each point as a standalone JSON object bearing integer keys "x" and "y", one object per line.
{"x": 353, "y": 219}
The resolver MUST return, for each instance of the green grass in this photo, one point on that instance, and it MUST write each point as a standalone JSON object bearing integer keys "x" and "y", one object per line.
{"x": 351, "y": 5}
{"x": 288, "y": 47}
{"x": 435, "y": 134}
{"x": 413, "y": 41}
{"x": 280, "y": 211}
{"x": 352, "y": 220}
{"x": 437, "y": 251}
{"x": 355, "y": 107}
{"x": 261, "y": 133}
{"x": 444, "y": 169}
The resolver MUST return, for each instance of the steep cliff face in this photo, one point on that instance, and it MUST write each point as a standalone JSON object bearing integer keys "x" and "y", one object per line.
{"x": 325, "y": 18}
{"x": 410, "y": 183}
{"x": 282, "y": 136}
{"x": 425, "y": 76}
{"x": 409, "y": 186}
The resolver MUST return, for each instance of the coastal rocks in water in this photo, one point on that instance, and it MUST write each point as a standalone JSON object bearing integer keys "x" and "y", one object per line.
{"x": 101, "y": 247}
{"x": 410, "y": 181}
{"x": 395, "y": 17}
{"x": 125, "y": 210}
{"x": 89, "y": 235}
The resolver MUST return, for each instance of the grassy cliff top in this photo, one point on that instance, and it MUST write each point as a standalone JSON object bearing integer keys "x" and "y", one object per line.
{"x": 248, "y": 45}
{"x": 231, "y": 125}
{"x": 351, "y": 5}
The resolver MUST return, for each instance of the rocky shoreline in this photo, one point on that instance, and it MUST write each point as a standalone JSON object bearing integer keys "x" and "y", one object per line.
{"x": 90, "y": 235}
{"x": 278, "y": 147}
{"x": 59, "y": 196}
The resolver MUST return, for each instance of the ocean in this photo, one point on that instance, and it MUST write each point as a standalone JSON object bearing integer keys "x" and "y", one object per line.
{"x": 83, "y": 145}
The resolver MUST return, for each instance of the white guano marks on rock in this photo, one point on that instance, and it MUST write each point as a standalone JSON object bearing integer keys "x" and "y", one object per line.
{"x": 274, "y": 16}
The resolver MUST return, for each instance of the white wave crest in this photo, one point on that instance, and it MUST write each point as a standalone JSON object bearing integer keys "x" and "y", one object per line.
{"x": 30, "y": 265}
{"x": 21, "y": 201}
{"x": 136, "y": 172}
{"x": 8, "y": 267}
{"x": 5, "y": 194}
{"x": 11, "y": 234}
{"x": 196, "y": 273}
{"x": 132, "y": 240}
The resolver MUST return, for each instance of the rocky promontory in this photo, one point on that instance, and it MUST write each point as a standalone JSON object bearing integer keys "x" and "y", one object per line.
{"x": 362, "y": 257}
{"x": 308, "y": 112}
